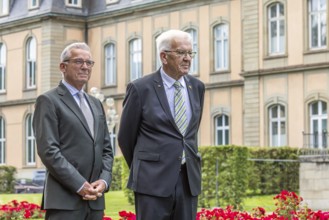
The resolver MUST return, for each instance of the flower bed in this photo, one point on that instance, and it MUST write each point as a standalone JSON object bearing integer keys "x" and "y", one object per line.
{"x": 288, "y": 207}
{"x": 20, "y": 210}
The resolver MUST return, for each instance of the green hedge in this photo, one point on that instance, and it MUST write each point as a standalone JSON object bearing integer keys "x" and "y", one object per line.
{"x": 231, "y": 173}
{"x": 7, "y": 179}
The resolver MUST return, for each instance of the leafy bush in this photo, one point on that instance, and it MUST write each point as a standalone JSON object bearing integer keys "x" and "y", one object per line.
{"x": 7, "y": 179}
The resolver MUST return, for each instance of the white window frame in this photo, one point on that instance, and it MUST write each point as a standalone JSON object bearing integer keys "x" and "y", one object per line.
{"x": 33, "y": 4}
{"x": 135, "y": 59}
{"x": 4, "y": 7}
{"x": 111, "y": 1}
{"x": 221, "y": 47}
{"x": 2, "y": 141}
{"x": 113, "y": 137}
{"x": 221, "y": 129}
{"x": 158, "y": 62}
{"x": 31, "y": 51}
{"x": 110, "y": 64}
{"x": 3, "y": 57}
{"x": 277, "y": 126}
{"x": 195, "y": 60}
{"x": 318, "y": 16}
{"x": 73, "y": 3}
{"x": 276, "y": 36}
{"x": 318, "y": 122}
{"x": 29, "y": 141}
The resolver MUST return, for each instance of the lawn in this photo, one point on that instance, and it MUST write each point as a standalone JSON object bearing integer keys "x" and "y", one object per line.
{"x": 115, "y": 202}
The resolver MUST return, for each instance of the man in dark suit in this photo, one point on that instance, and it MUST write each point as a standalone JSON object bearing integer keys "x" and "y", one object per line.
{"x": 158, "y": 134}
{"x": 73, "y": 142}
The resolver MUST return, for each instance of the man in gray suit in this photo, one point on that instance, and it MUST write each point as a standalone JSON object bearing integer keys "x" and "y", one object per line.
{"x": 73, "y": 142}
{"x": 158, "y": 134}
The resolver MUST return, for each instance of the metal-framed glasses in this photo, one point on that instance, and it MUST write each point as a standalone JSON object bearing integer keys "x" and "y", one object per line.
{"x": 80, "y": 62}
{"x": 182, "y": 53}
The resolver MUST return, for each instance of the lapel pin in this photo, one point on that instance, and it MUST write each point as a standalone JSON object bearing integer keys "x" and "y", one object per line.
{"x": 159, "y": 85}
{"x": 190, "y": 87}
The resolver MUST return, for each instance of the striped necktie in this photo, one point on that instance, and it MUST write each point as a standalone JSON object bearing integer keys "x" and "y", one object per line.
{"x": 86, "y": 112}
{"x": 180, "y": 108}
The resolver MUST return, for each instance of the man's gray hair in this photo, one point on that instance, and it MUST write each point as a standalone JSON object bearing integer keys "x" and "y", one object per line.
{"x": 66, "y": 54}
{"x": 165, "y": 40}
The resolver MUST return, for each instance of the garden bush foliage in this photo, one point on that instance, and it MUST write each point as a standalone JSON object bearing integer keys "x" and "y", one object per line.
{"x": 230, "y": 173}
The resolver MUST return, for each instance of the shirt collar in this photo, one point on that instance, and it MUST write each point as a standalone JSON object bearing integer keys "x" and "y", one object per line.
{"x": 169, "y": 82}
{"x": 71, "y": 88}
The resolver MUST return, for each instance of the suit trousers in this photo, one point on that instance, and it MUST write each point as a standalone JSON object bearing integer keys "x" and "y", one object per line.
{"x": 81, "y": 214}
{"x": 180, "y": 205}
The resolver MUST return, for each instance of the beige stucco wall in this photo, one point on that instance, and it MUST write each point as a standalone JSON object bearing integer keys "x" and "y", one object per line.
{"x": 253, "y": 82}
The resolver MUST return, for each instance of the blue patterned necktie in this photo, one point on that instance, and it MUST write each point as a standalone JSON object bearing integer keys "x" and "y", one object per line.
{"x": 86, "y": 112}
{"x": 180, "y": 108}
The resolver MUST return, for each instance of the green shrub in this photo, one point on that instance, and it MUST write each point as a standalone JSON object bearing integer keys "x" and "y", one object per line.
{"x": 7, "y": 179}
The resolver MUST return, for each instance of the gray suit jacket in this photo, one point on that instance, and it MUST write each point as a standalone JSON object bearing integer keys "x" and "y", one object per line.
{"x": 67, "y": 149}
{"x": 150, "y": 140}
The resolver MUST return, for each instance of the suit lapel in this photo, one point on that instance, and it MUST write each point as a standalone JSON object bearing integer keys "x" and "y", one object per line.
{"x": 193, "y": 100}
{"x": 69, "y": 101}
{"x": 161, "y": 93}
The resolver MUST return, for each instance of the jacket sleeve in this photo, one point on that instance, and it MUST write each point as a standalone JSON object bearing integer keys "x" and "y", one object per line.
{"x": 130, "y": 123}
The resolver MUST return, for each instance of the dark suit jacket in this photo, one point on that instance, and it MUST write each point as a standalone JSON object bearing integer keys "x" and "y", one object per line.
{"x": 68, "y": 150}
{"x": 151, "y": 142}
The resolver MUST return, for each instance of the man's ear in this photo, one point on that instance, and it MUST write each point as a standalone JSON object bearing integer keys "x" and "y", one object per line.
{"x": 62, "y": 67}
{"x": 163, "y": 57}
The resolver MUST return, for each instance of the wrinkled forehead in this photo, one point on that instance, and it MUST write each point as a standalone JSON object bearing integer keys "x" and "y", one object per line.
{"x": 182, "y": 43}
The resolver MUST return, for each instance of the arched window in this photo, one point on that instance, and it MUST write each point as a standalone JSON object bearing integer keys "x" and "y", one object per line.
{"x": 3, "y": 57}
{"x": 110, "y": 64}
{"x": 221, "y": 52}
{"x": 276, "y": 28}
{"x": 158, "y": 62}
{"x": 135, "y": 51}
{"x": 318, "y": 124}
{"x": 31, "y": 56}
{"x": 277, "y": 126}
{"x": 2, "y": 141}
{"x": 194, "y": 63}
{"x": 222, "y": 130}
{"x": 29, "y": 141}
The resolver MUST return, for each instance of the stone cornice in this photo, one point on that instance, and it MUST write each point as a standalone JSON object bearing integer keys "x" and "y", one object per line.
{"x": 227, "y": 84}
{"x": 17, "y": 102}
{"x": 286, "y": 69}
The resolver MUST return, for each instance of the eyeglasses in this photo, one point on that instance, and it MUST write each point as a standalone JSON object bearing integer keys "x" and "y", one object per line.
{"x": 182, "y": 53}
{"x": 80, "y": 62}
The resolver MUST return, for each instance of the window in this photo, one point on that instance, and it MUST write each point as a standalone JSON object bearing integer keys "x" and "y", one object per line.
{"x": 30, "y": 141}
{"x": 110, "y": 64}
{"x": 135, "y": 51}
{"x": 194, "y": 63}
{"x": 277, "y": 123}
{"x": 221, "y": 47}
{"x": 317, "y": 23}
{"x": 113, "y": 137}
{"x": 222, "y": 130}
{"x": 158, "y": 62}
{"x": 276, "y": 29}
{"x": 2, "y": 141}
{"x": 4, "y": 7}
{"x": 74, "y": 3}
{"x": 2, "y": 68}
{"x": 318, "y": 124}
{"x": 111, "y": 1}
{"x": 31, "y": 55}
{"x": 33, "y": 4}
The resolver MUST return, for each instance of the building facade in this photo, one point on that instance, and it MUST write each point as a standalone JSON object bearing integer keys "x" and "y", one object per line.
{"x": 264, "y": 64}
